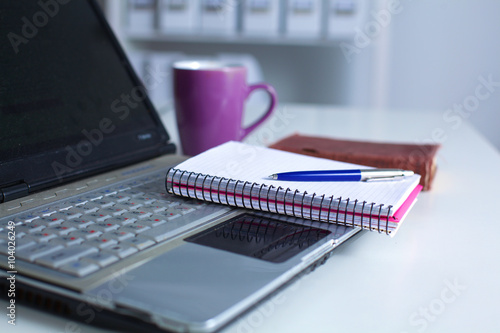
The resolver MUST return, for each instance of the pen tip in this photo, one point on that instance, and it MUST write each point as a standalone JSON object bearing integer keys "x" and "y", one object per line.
{"x": 273, "y": 176}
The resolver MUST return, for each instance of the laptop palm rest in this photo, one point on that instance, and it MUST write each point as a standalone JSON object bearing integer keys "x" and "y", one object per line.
{"x": 216, "y": 274}
{"x": 194, "y": 285}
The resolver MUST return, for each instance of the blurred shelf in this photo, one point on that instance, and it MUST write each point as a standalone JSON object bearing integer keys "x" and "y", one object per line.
{"x": 238, "y": 38}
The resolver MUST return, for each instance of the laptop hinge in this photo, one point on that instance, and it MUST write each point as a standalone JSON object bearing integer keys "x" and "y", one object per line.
{"x": 14, "y": 192}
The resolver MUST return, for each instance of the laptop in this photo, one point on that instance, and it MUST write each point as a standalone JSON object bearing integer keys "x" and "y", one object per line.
{"x": 87, "y": 230}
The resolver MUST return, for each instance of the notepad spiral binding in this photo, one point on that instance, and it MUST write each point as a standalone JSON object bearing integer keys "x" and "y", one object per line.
{"x": 255, "y": 196}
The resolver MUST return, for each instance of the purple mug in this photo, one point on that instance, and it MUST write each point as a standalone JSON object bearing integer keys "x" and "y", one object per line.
{"x": 209, "y": 103}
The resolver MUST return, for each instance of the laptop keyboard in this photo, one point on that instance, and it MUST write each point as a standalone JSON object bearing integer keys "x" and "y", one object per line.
{"x": 83, "y": 234}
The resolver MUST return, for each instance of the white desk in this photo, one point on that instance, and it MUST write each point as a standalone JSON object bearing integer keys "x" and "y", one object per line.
{"x": 440, "y": 273}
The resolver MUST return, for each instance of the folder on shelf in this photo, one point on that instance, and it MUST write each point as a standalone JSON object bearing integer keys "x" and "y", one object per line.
{"x": 346, "y": 17}
{"x": 179, "y": 16}
{"x": 218, "y": 17}
{"x": 303, "y": 18}
{"x": 237, "y": 174}
{"x": 261, "y": 18}
{"x": 141, "y": 16}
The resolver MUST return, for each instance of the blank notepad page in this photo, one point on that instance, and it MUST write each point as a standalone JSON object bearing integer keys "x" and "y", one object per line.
{"x": 254, "y": 164}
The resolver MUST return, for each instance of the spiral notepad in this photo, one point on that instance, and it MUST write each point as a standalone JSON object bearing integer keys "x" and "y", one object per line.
{"x": 237, "y": 174}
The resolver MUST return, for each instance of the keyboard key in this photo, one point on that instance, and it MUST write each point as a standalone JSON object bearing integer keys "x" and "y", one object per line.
{"x": 104, "y": 226}
{"x": 118, "y": 235}
{"x": 6, "y": 236}
{"x": 159, "y": 197}
{"x": 113, "y": 210}
{"x": 162, "y": 232}
{"x": 121, "y": 251}
{"x": 77, "y": 202}
{"x": 149, "y": 200}
{"x": 20, "y": 243}
{"x": 167, "y": 198}
{"x": 30, "y": 228}
{"x": 70, "y": 214}
{"x": 101, "y": 242}
{"x": 65, "y": 256}
{"x": 66, "y": 240}
{"x": 26, "y": 218}
{"x": 87, "y": 233}
{"x": 49, "y": 220}
{"x": 170, "y": 214}
{"x": 122, "y": 188}
{"x": 154, "y": 220}
{"x": 64, "y": 206}
{"x": 123, "y": 219}
{"x": 130, "y": 205}
{"x": 46, "y": 212}
{"x": 42, "y": 236}
{"x": 79, "y": 268}
{"x": 33, "y": 252}
{"x": 195, "y": 203}
{"x": 140, "y": 214}
{"x": 134, "y": 193}
{"x": 92, "y": 196}
{"x": 4, "y": 223}
{"x": 118, "y": 198}
{"x": 23, "y": 242}
{"x": 59, "y": 229}
{"x": 89, "y": 207}
{"x": 122, "y": 206}
{"x": 77, "y": 223}
{"x": 104, "y": 202}
{"x": 132, "y": 214}
{"x": 155, "y": 208}
{"x": 97, "y": 216}
{"x": 139, "y": 242}
{"x": 100, "y": 258}
{"x": 136, "y": 227}
{"x": 108, "y": 192}
{"x": 66, "y": 215}
{"x": 182, "y": 209}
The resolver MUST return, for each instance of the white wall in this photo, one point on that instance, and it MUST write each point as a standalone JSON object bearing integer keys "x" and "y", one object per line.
{"x": 431, "y": 55}
{"x": 440, "y": 54}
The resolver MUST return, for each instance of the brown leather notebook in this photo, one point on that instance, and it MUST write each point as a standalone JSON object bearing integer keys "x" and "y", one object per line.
{"x": 419, "y": 158}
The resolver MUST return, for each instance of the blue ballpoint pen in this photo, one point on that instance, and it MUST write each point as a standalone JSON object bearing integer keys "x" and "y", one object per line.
{"x": 354, "y": 175}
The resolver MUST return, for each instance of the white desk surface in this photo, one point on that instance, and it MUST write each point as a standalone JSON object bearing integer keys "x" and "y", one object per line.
{"x": 440, "y": 273}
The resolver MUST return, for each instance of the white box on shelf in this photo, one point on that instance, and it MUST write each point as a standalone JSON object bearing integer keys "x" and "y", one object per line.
{"x": 345, "y": 17}
{"x": 179, "y": 16}
{"x": 219, "y": 16}
{"x": 141, "y": 16}
{"x": 261, "y": 17}
{"x": 304, "y": 18}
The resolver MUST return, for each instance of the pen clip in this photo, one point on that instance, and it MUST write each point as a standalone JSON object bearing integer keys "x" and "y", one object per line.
{"x": 378, "y": 179}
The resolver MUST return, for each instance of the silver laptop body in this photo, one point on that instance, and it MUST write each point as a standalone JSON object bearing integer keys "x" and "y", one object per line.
{"x": 87, "y": 230}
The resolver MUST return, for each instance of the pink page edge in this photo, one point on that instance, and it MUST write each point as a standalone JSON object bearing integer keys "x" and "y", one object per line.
{"x": 406, "y": 204}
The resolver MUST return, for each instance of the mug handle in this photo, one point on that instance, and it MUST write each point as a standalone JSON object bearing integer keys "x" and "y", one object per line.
{"x": 274, "y": 100}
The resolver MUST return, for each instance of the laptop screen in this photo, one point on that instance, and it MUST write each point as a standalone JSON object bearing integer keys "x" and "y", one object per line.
{"x": 68, "y": 97}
